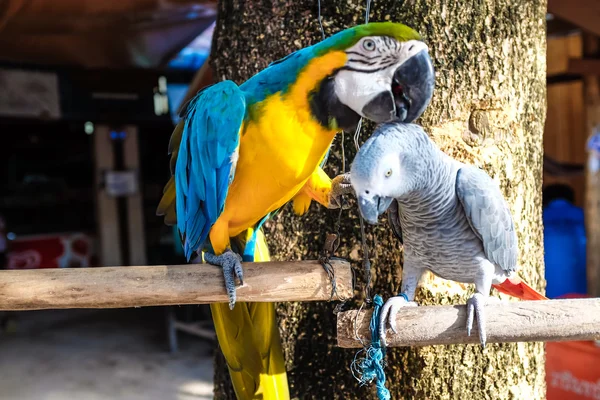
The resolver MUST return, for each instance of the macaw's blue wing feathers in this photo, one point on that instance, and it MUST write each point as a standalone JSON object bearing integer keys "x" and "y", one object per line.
{"x": 204, "y": 167}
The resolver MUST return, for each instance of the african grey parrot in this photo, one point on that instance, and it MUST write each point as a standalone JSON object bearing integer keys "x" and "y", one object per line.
{"x": 452, "y": 218}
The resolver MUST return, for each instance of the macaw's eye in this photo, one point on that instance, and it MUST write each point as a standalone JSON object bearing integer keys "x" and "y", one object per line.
{"x": 388, "y": 173}
{"x": 369, "y": 45}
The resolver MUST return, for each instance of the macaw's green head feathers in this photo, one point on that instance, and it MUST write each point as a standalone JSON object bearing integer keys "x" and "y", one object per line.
{"x": 400, "y": 32}
{"x": 388, "y": 74}
{"x": 347, "y": 38}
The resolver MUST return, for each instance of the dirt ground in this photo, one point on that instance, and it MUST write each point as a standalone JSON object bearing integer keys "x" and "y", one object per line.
{"x": 101, "y": 355}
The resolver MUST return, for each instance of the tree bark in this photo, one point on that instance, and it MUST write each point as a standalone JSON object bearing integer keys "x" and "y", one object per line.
{"x": 488, "y": 109}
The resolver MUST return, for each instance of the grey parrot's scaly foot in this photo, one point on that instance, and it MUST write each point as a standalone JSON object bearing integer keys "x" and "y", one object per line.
{"x": 475, "y": 309}
{"x": 388, "y": 314}
{"x": 232, "y": 267}
{"x": 340, "y": 185}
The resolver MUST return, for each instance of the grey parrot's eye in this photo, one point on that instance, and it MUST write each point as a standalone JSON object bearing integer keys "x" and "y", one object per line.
{"x": 369, "y": 45}
{"x": 388, "y": 173}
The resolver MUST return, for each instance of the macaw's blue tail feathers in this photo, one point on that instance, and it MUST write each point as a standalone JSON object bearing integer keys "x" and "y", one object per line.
{"x": 202, "y": 148}
{"x": 249, "y": 336}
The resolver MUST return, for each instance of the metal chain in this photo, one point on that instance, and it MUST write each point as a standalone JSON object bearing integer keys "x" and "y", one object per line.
{"x": 333, "y": 240}
{"x": 366, "y": 259}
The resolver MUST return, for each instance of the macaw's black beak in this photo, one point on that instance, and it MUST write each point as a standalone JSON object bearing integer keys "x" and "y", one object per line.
{"x": 410, "y": 94}
{"x": 413, "y": 86}
{"x": 371, "y": 208}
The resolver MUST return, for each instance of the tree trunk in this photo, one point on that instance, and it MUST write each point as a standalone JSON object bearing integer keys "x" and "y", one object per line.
{"x": 488, "y": 110}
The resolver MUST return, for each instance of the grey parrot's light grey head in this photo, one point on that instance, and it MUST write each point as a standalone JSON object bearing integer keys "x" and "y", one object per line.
{"x": 391, "y": 164}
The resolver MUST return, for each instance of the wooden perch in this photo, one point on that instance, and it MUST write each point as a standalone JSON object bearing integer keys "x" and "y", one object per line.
{"x": 120, "y": 287}
{"x": 522, "y": 321}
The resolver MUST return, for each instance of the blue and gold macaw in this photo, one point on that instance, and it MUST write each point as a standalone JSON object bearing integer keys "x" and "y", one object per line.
{"x": 242, "y": 152}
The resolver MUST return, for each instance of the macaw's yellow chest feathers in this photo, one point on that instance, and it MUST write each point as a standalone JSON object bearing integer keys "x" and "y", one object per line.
{"x": 281, "y": 146}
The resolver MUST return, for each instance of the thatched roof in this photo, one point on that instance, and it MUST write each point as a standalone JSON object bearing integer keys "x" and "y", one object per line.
{"x": 100, "y": 33}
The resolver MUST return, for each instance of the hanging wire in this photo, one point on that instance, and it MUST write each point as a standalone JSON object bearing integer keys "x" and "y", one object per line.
{"x": 370, "y": 366}
{"x": 321, "y": 21}
{"x": 343, "y": 155}
{"x": 366, "y": 259}
{"x": 357, "y": 134}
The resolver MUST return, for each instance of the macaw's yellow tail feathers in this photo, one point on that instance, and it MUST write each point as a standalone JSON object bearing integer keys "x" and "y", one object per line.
{"x": 249, "y": 338}
{"x": 166, "y": 206}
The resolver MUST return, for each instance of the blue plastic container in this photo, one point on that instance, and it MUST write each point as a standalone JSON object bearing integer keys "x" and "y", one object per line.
{"x": 564, "y": 249}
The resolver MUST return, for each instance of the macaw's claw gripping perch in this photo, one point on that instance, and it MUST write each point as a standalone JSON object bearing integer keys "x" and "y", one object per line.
{"x": 232, "y": 268}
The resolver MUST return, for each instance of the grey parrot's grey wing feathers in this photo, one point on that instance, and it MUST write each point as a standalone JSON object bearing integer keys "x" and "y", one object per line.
{"x": 489, "y": 216}
{"x": 394, "y": 220}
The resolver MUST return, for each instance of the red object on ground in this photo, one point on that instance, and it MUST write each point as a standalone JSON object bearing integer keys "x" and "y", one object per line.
{"x": 573, "y": 369}
{"x": 61, "y": 250}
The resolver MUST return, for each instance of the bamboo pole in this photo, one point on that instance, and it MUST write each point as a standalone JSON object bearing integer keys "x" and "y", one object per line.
{"x": 522, "y": 321}
{"x": 121, "y": 287}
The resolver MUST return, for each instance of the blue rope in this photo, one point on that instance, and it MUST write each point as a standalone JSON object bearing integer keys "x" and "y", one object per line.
{"x": 370, "y": 367}
{"x": 405, "y": 296}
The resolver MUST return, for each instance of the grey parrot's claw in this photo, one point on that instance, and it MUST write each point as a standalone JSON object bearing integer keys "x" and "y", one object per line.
{"x": 475, "y": 311}
{"x": 232, "y": 267}
{"x": 340, "y": 185}
{"x": 469, "y": 318}
{"x": 388, "y": 315}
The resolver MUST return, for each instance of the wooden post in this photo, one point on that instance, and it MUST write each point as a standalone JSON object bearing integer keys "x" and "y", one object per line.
{"x": 592, "y": 205}
{"x": 107, "y": 219}
{"x": 120, "y": 287}
{"x": 135, "y": 203}
{"x": 523, "y": 321}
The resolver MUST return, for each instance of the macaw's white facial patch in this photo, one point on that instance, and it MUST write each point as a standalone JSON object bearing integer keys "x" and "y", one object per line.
{"x": 369, "y": 72}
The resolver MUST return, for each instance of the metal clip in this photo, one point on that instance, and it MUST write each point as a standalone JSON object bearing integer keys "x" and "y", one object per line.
{"x": 332, "y": 243}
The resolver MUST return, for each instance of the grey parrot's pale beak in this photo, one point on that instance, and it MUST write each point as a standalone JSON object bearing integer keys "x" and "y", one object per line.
{"x": 410, "y": 94}
{"x": 371, "y": 208}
